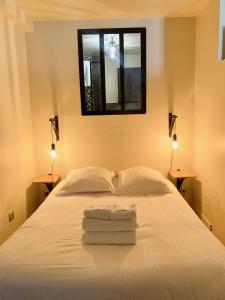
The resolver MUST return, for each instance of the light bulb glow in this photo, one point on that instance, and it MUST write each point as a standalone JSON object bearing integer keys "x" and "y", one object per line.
{"x": 53, "y": 152}
{"x": 175, "y": 143}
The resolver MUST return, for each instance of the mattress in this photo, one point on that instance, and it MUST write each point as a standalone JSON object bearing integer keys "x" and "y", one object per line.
{"x": 175, "y": 257}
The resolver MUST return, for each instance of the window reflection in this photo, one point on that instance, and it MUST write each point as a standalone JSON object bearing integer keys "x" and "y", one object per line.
{"x": 92, "y": 72}
{"x": 112, "y": 71}
{"x": 132, "y": 71}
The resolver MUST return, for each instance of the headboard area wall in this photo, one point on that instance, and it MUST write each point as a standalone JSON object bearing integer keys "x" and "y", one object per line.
{"x": 118, "y": 141}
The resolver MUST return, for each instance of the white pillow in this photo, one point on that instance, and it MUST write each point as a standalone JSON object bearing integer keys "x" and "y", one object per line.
{"x": 90, "y": 179}
{"x": 141, "y": 181}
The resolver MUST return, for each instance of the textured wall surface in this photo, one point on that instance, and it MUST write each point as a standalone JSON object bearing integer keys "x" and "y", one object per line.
{"x": 209, "y": 133}
{"x": 113, "y": 141}
{"x": 17, "y": 165}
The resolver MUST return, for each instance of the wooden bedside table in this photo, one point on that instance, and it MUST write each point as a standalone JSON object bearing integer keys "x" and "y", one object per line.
{"x": 180, "y": 176}
{"x": 49, "y": 180}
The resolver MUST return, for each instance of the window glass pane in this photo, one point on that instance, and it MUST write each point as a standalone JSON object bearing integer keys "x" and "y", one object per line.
{"x": 92, "y": 72}
{"x": 112, "y": 71}
{"x": 132, "y": 71}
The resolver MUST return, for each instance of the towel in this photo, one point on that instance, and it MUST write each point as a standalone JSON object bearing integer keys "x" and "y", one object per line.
{"x": 101, "y": 212}
{"x": 89, "y": 224}
{"x": 123, "y": 212}
{"x": 109, "y": 238}
{"x": 111, "y": 212}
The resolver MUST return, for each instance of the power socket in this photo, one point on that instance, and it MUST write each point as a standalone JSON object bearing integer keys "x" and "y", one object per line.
{"x": 11, "y": 216}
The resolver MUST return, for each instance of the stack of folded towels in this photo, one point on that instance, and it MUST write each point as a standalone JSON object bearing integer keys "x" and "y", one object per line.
{"x": 109, "y": 225}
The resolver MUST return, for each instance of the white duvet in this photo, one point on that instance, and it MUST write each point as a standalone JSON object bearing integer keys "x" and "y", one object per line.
{"x": 175, "y": 257}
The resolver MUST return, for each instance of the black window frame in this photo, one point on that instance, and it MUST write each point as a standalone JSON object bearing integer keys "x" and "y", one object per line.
{"x": 121, "y": 32}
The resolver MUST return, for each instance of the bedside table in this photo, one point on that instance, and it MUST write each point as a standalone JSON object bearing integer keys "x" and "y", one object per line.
{"x": 180, "y": 176}
{"x": 49, "y": 180}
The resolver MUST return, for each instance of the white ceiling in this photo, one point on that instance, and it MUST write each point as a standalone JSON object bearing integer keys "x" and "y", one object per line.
{"x": 41, "y": 10}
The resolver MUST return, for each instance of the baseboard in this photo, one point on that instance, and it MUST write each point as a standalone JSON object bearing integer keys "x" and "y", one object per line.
{"x": 204, "y": 220}
{"x": 207, "y": 223}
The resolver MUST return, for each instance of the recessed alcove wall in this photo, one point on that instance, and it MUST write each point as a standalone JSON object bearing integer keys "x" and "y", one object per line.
{"x": 120, "y": 141}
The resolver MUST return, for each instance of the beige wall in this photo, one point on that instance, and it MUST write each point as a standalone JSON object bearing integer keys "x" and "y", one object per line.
{"x": 112, "y": 141}
{"x": 209, "y": 150}
{"x": 17, "y": 167}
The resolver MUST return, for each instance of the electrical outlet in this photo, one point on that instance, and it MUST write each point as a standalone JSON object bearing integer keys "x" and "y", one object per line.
{"x": 11, "y": 216}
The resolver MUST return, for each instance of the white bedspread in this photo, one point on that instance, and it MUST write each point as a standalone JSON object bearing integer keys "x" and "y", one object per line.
{"x": 175, "y": 257}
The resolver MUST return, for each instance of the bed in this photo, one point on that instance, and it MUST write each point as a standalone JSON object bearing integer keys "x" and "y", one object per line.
{"x": 175, "y": 257}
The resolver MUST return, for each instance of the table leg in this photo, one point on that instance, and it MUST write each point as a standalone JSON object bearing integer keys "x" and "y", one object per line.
{"x": 49, "y": 186}
{"x": 179, "y": 183}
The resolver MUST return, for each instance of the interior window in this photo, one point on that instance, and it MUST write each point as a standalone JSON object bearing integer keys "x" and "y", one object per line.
{"x": 112, "y": 70}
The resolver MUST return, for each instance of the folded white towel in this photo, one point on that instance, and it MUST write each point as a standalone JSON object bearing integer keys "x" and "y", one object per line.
{"x": 109, "y": 238}
{"x": 113, "y": 212}
{"x": 123, "y": 212}
{"x": 101, "y": 212}
{"x": 89, "y": 224}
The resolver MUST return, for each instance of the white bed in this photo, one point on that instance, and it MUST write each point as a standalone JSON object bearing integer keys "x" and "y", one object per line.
{"x": 175, "y": 257}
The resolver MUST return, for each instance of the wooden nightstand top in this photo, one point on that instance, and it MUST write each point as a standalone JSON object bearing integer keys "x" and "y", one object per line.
{"x": 182, "y": 174}
{"x": 47, "y": 179}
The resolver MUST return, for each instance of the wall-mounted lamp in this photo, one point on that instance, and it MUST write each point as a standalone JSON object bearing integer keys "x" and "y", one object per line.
{"x": 172, "y": 122}
{"x": 172, "y": 133}
{"x": 55, "y": 126}
{"x": 172, "y": 130}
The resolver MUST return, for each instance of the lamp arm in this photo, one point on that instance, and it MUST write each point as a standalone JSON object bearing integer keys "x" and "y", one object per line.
{"x": 55, "y": 125}
{"x": 172, "y": 121}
